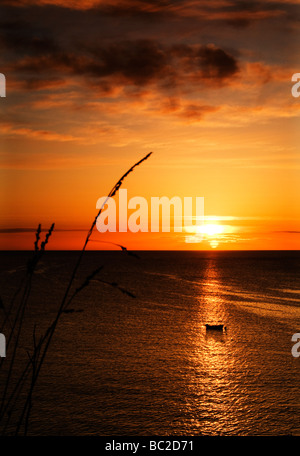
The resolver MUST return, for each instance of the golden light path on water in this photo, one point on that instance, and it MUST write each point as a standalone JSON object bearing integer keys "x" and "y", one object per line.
{"x": 214, "y": 356}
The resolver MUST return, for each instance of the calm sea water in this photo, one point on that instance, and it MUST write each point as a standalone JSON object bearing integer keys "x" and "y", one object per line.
{"x": 146, "y": 365}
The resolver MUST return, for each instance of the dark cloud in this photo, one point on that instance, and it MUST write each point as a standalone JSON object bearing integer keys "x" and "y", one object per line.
{"x": 287, "y": 232}
{"x": 23, "y": 37}
{"x": 232, "y": 12}
{"x": 31, "y": 230}
{"x": 216, "y": 63}
{"x": 213, "y": 62}
{"x": 138, "y": 63}
{"x": 17, "y": 230}
{"x": 106, "y": 46}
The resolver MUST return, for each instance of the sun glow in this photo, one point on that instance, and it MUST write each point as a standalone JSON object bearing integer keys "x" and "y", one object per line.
{"x": 210, "y": 229}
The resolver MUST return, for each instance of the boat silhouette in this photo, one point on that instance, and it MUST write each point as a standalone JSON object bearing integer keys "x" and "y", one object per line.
{"x": 218, "y": 327}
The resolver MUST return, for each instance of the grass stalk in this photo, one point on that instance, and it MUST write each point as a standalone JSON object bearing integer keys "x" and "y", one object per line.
{"x": 40, "y": 350}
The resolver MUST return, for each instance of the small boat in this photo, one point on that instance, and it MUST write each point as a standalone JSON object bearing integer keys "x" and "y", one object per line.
{"x": 215, "y": 327}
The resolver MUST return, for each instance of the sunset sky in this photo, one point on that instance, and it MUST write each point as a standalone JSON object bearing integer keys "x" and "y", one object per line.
{"x": 93, "y": 86}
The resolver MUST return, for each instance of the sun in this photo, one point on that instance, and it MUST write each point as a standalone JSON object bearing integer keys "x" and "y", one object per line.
{"x": 210, "y": 232}
{"x": 214, "y": 244}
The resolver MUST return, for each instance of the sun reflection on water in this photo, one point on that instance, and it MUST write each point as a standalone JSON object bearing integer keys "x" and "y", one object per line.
{"x": 215, "y": 407}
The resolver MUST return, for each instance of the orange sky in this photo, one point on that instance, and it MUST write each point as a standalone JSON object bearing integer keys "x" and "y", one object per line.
{"x": 94, "y": 86}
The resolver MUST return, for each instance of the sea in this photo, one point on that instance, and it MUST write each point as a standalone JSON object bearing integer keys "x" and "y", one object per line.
{"x": 133, "y": 357}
